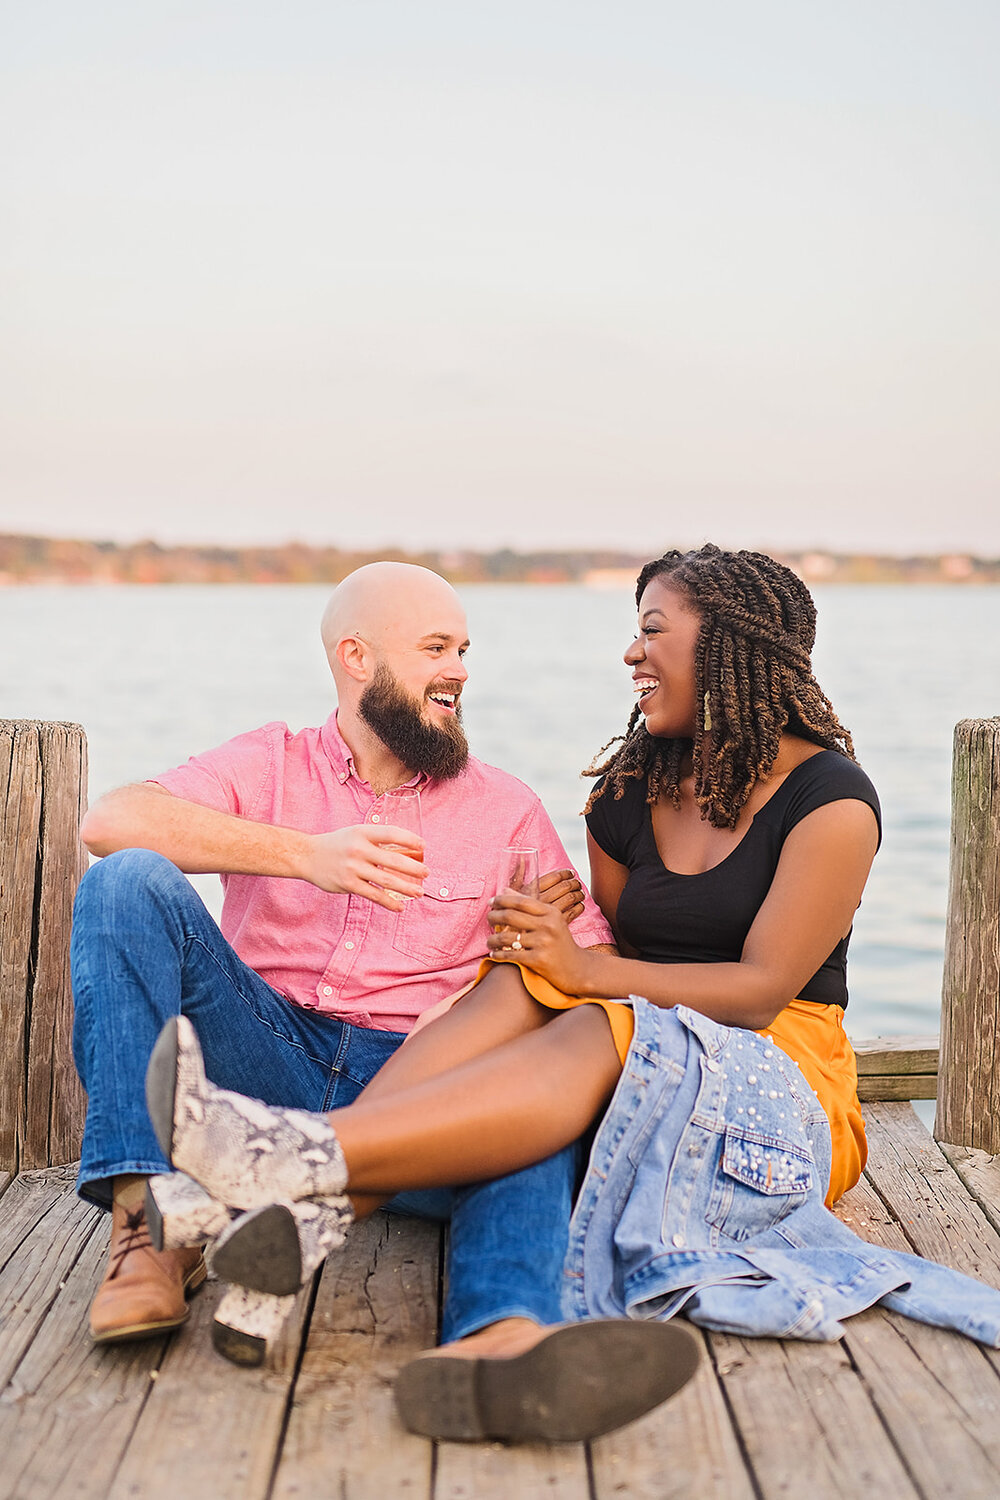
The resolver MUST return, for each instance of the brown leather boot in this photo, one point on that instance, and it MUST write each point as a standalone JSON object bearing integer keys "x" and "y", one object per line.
{"x": 144, "y": 1290}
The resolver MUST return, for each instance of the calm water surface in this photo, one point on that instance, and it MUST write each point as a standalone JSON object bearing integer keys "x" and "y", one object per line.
{"x": 156, "y": 674}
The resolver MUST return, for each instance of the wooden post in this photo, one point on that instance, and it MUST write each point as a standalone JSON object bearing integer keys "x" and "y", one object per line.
{"x": 43, "y": 780}
{"x": 968, "y": 1107}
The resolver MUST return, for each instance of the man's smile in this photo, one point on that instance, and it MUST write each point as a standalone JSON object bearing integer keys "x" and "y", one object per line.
{"x": 445, "y": 698}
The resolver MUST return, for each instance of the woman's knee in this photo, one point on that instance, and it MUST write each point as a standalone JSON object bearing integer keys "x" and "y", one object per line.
{"x": 501, "y": 998}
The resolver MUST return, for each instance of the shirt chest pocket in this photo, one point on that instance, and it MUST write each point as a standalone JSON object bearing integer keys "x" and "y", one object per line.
{"x": 447, "y": 923}
{"x": 759, "y": 1182}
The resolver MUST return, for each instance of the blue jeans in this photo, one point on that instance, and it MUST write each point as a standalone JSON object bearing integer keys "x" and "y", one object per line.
{"x": 144, "y": 949}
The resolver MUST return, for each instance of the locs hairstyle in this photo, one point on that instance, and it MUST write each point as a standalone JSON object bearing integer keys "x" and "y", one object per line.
{"x": 752, "y": 674}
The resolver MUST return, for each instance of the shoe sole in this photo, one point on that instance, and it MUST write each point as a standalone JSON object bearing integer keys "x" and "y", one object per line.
{"x": 577, "y": 1383}
{"x": 263, "y": 1253}
{"x": 192, "y": 1281}
{"x": 161, "y": 1087}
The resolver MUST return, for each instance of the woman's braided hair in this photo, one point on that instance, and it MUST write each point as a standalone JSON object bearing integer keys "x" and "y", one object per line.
{"x": 752, "y": 674}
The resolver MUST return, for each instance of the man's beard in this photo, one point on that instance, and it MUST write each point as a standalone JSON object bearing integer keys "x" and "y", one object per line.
{"x": 395, "y": 716}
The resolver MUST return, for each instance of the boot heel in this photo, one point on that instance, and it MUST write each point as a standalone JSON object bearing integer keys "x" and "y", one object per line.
{"x": 180, "y": 1212}
{"x": 276, "y": 1248}
{"x": 246, "y": 1323}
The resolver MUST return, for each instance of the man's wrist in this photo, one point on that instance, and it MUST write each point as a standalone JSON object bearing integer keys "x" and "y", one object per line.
{"x": 297, "y": 854}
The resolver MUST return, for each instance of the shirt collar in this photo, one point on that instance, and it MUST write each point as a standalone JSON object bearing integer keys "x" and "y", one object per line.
{"x": 342, "y": 760}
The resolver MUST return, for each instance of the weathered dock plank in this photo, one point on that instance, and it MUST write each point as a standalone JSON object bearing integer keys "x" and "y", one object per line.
{"x": 912, "y": 1175}
{"x": 68, "y": 1412}
{"x": 936, "y": 1392}
{"x": 43, "y": 1228}
{"x": 536, "y": 1471}
{"x": 376, "y": 1306}
{"x": 805, "y": 1419}
{"x": 897, "y": 1067}
{"x": 686, "y": 1448}
{"x": 210, "y": 1429}
{"x": 980, "y": 1174}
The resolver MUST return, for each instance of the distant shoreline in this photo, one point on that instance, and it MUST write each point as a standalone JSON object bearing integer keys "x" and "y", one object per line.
{"x": 46, "y": 560}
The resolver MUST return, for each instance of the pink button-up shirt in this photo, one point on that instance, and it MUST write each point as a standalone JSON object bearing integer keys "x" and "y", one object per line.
{"x": 344, "y": 954}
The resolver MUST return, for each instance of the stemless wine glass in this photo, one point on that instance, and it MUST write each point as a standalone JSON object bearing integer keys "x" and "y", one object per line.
{"x": 518, "y": 871}
{"x": 401, "y": 809}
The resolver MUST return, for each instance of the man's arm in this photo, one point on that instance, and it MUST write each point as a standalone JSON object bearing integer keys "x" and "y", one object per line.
{"x": 201, "y": 840}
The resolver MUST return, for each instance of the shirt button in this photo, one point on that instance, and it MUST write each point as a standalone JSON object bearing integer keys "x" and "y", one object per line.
{"x": 327, "y": 989}
{"x": 349, "y": 945}
{"x": 443, "y": 891}
{"x": 375, "y": 818}
{"x": 711, "y": 1065}
{"x": 678, "y": 1240}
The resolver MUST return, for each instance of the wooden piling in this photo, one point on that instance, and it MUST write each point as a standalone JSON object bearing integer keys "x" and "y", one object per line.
{"x": 43, "y": 780}
{"x": 968, "y": 1104}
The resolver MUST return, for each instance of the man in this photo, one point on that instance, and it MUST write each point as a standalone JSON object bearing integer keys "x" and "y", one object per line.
{"x": 337, "y": 933}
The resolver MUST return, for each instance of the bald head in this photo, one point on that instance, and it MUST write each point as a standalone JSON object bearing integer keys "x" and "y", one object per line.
{"x": 390, "y": 605}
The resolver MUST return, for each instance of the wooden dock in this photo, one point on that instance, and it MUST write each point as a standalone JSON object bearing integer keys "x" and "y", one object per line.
{"x": 894, "y": 1409}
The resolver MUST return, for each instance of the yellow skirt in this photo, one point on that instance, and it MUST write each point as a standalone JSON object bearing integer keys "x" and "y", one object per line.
{"x": 811, "y": 1035}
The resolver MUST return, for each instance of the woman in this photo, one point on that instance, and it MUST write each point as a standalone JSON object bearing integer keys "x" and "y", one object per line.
{"x": 731, "y": 836}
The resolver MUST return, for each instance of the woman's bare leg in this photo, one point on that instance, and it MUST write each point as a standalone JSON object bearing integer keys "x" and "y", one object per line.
{"x": 498, "y": 1010}
{"x": 514, "y": 1105}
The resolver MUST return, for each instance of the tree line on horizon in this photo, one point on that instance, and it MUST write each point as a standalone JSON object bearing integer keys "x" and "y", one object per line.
{"x": 37, "y": 559}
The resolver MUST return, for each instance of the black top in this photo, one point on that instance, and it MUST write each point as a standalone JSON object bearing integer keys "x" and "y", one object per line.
{"x": 704, "y": 919}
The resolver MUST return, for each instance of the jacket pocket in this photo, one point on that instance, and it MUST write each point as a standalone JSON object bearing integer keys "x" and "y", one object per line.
{"x": 444, "y": 922}
{"x": 759, "y": 1181}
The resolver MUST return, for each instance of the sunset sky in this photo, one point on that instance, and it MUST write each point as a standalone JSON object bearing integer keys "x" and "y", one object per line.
{"x": 529, "y": 274}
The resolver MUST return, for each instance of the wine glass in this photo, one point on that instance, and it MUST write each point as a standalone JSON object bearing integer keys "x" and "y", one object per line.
{"x": 401, "y": 809}
{"x": 517, "y": 871}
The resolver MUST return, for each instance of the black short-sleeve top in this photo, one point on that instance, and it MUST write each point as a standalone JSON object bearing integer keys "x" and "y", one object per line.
{"x": 679, "y": 919}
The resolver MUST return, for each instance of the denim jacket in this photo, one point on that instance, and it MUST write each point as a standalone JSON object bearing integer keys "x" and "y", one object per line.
{"x": 704, "y": 1194}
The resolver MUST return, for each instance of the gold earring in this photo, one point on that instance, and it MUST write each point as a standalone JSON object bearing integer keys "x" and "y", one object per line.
{"x": 708, "y": 714}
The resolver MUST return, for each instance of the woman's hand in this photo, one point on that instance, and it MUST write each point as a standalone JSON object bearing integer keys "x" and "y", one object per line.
{"x": 536, "y": 934}
{"x": 562, "y": 889}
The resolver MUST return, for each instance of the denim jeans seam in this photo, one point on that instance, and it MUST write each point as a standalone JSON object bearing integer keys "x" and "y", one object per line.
{"x": 336, "y": 1069}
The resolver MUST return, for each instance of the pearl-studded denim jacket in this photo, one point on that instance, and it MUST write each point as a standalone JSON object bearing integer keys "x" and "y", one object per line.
{"x": 704, "y": 1194}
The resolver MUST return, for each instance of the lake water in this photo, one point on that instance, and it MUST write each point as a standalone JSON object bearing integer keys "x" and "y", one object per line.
{"x": 156, "y": 674}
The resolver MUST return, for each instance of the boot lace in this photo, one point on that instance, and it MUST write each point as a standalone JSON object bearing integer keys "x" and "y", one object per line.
{"x": 136, "y": 1237}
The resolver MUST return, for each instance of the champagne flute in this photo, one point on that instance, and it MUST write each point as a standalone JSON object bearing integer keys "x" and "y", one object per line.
{"x": 402, "y": 810}
{"x": 518, "y": 872}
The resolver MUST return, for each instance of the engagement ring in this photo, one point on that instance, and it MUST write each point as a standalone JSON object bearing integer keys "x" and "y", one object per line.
{"x": 516, "y": 944}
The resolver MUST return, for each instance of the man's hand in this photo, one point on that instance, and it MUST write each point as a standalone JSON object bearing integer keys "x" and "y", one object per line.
{"x": 382, "y": 864}
{"x": 562, "y": 889}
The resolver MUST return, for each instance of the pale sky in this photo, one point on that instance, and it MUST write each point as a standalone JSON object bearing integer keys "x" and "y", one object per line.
{"x": 365, "y": 272}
